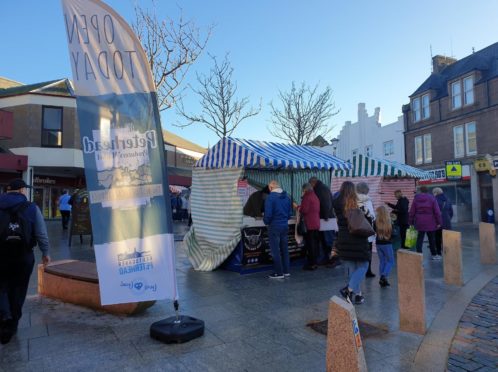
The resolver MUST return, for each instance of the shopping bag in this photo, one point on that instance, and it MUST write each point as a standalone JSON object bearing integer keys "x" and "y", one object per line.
{"x": 411, "y": 237}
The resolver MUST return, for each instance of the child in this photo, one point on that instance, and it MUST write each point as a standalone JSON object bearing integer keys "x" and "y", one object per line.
{"x": 383, "y": 228}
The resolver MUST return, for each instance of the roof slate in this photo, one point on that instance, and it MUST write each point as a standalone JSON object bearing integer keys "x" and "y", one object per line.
{"x": 484, "y": 60}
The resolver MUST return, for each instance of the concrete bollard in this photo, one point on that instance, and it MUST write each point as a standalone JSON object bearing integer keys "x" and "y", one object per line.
{"x": 411, "y": 292}
{"x": 452, "y": 263}
{"x": 487, "y": 240}
{"x": 344, "y": 346}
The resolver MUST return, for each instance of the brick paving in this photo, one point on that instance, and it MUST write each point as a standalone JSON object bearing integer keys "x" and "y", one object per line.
{"x": 475, "y": 345}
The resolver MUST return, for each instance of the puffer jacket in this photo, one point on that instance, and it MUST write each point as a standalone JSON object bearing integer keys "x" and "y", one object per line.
{"x": 424, "y": 213}
{"x": 277, "y": 209}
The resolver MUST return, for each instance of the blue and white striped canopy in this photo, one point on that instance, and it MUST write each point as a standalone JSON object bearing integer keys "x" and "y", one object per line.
{"x": 235, "y": 153}
{"x": 364, "y": 167}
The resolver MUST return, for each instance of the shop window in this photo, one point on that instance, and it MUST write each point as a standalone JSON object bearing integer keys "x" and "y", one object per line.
{"x": 52, "y": 126}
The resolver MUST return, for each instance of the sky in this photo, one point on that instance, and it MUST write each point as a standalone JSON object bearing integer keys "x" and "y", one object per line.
{"x": 376, "y": 52}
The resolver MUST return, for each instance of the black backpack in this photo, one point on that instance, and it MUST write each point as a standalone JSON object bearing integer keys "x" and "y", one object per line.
{"x": 15, "y": 231}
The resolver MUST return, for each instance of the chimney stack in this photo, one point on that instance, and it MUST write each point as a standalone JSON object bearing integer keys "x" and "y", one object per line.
{"x": 439, "y": 62}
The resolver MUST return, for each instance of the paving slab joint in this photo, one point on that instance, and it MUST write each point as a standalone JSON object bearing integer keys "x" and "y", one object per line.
{"x": 433, "y": 352}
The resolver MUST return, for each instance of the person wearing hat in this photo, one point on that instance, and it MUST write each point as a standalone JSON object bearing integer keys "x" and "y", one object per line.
{"x": 16, "y": 267}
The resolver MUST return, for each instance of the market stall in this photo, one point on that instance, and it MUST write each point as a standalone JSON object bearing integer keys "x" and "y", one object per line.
{"x": 222, "y": 181}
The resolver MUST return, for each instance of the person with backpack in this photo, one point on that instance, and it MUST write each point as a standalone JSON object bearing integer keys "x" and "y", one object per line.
{"x": 21, "y": 228}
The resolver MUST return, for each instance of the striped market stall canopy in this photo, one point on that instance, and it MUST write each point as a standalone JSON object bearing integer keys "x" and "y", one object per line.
{"x": 365, "y": 167}
{"x": 236, "y": 153}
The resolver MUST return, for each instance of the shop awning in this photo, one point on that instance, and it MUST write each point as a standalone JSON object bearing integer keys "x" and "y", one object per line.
{"x": 363, "y": 166}
{"x": 236, "y": 153}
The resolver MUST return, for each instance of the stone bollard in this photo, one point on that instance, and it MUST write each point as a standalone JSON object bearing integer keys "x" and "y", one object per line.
{"x": 344, "y": 346}
{"x": 452, "y": 263}
{"x": 487, "y": 240}
{"x": 411, "y": 292}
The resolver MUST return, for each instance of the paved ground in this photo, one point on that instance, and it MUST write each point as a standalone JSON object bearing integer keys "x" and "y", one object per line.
{"x": 475, "y": 345}
{"x": 252, "y": 323}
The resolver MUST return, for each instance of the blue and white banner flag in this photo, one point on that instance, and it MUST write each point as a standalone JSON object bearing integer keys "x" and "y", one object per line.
{"x": 123, "y": 154}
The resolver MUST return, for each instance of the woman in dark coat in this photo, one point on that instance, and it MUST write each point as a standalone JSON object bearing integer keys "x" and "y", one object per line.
{"x": 446, "y": 215}
{"x": 353, "y": 250}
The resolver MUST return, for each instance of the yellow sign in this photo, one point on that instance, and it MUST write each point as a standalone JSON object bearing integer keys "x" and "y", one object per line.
{"x": 453, "y": 170}
{"x": 482, "y": 165}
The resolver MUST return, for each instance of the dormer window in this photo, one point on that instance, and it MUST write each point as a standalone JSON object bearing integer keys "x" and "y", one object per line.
{"x": 462, "y": 92}
{"x": 421, "y": 108}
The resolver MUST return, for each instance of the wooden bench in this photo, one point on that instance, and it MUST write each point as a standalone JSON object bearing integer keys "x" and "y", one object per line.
{"x": 77, "y": 282}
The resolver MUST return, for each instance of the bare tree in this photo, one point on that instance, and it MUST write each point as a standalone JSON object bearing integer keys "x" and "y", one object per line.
{"x": 221, "y": 112}
{"x": 304, "y": 114}
{"x": 171, "y": 48}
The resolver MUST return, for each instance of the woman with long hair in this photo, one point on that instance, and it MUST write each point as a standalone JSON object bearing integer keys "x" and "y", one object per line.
{"x": 353, "y": 250}
{"x": 310, "y": 212}
{"x": 383, "y": 228}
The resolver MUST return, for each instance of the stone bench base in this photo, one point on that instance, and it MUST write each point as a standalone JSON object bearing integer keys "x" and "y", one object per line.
{"x": 80, "y": 289}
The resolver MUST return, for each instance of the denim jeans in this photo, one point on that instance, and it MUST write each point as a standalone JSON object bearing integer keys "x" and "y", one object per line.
{"x": 278, "y": 238}
{"x": 432, "y": 241}
{"x": 357, "y": 271}
{"x": 386, "y": 259}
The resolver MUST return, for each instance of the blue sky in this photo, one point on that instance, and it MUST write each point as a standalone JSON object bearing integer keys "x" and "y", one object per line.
{"x": 377, "y": 52}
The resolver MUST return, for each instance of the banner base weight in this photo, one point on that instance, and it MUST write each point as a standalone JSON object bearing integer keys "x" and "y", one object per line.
{"x": 177, "y": 329}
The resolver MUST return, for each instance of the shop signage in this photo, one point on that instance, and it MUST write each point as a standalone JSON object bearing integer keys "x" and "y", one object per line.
{"x": 43, "y": 181}
{"x": 453, "y": 170}
{"x": 482, "y": 165}
{"x": 495, "y": 163}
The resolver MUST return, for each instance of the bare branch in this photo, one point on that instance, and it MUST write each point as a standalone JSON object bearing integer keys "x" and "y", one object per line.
{"x": 171, "y": 48}
{"x": 303, "y": 115}
{"x": 221, "y": 111}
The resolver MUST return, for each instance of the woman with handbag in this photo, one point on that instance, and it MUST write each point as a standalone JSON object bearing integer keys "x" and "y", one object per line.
{"x": 352, "y": 241}
{"x": 310, "y": 211}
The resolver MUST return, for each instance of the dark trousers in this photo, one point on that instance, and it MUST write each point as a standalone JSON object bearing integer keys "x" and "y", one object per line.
{"x": 311, "y": 239}
{"x": 326, "y": 238}
{"x": 402, "y": 234}
{"x": 14, "y": 281}
{"x": 65, "y": 218}
{"x": 439, "y": 241}
{"x": 432, "y": 241}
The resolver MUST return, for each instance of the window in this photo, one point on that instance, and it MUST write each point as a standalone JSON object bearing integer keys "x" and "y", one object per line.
{"x": 470, "y": 138}
{"x": 416, "y": 109}
{"x": 458, "y": 141}
{"x": 464, "y": 140}
{"x": 426, "y": 109}
{"x": 427, "y": 148}
{"x": 421, "y": 108}
{"x": 52, "y": 126}
{"x": 419, "y": 158}
{"x": 388, "y": 148}
{"x": 423, "y": 149}
{"x": 468, "y": 92}
{"x": 369, "y": 150}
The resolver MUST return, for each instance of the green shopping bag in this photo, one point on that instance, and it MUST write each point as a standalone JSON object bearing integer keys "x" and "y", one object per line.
{"x": 411, "y": 237}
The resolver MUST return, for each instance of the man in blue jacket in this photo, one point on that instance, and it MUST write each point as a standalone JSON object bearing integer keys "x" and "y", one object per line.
{"x": 276, "y": 217}
{"x": 16, "y": 265}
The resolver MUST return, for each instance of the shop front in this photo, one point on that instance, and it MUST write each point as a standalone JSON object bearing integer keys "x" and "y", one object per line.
{"x": 458, "y": 191}
{"x": 48, "y": 189}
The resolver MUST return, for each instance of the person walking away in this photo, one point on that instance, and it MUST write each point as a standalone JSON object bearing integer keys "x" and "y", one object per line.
{"x": 310, "y": 211}
{"x": 276, "y": 217}
{"x": 365, "y": 203}
{"x": 446, "y": 215}
{"x": 65, "y": 208}
{"x": 426, "y": 217}
{"x": 327, "y": 235}
{"x": 383, "y": 241}
{"x": 22, "y": 227}
{"x": 400, "y": 209}
{"x": 353, "y": 250}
